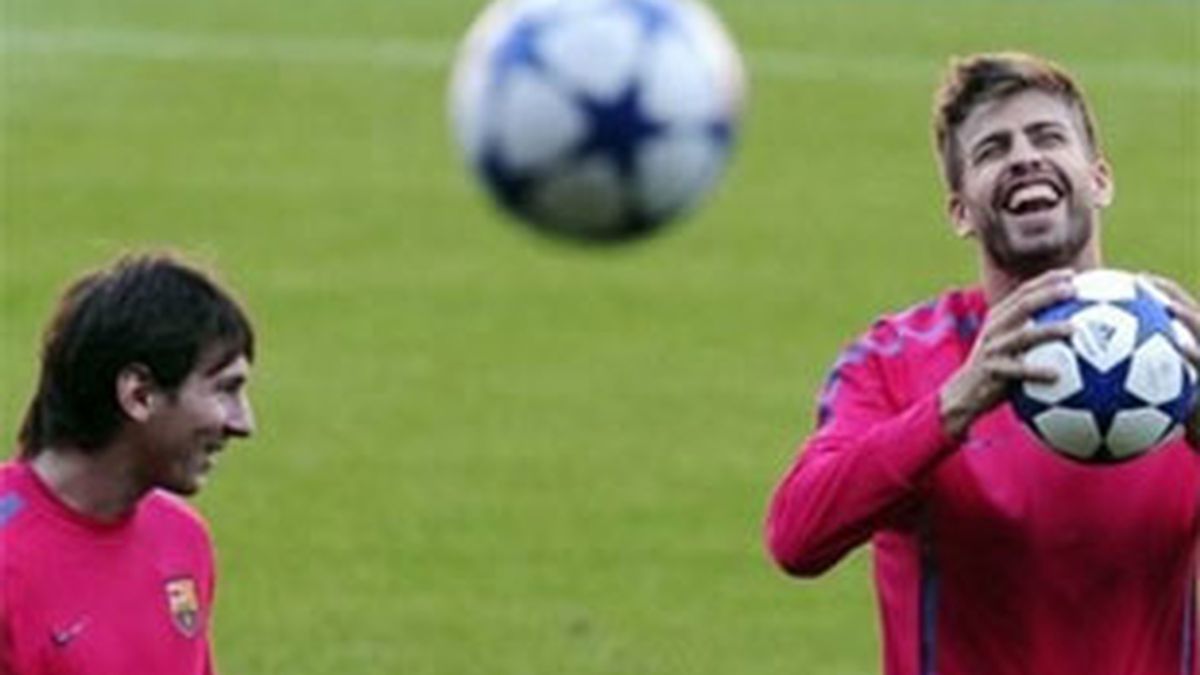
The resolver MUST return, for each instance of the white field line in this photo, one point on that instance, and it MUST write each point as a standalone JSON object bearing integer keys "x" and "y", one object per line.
{"x": 163, "y": 46}
{"x": 436, "y": 55}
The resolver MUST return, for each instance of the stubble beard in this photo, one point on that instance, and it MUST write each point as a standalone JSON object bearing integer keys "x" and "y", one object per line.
{"x": 1030, "y": 261}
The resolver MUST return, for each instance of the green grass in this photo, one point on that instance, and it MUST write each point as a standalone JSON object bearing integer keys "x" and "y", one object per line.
{"x": 483, "y": 452}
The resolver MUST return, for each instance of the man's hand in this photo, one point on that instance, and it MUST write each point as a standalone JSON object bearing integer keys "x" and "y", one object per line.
{"x": 1187, "y": 310}
{"x": 995, "y": 362}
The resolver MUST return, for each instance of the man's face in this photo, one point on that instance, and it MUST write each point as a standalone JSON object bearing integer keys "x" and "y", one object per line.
{"x": 1030, "y": 189}
{"x": 193, "y": 424}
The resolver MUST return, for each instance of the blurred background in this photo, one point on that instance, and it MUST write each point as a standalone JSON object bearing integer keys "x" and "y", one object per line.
{"x": 482, "y": 451}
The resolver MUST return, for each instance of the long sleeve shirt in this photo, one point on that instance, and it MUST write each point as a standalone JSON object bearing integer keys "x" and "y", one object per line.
{"x": 992, "y": 554}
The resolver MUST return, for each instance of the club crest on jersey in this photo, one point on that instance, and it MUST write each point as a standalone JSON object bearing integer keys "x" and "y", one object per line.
{"x": 184, "y": 604}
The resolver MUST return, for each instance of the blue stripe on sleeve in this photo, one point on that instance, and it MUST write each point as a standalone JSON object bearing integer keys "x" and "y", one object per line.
{"x": 1187, "y": 663}
{"x": 10, "y": 505}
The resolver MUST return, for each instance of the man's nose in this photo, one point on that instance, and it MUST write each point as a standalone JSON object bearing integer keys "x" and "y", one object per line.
{"x": 240, "y": 422}
{"x": 1025, "y": 155}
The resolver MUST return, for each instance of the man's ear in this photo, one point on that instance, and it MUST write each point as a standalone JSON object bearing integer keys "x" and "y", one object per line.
{"x": 1102, "y": 182}
{"x": 137, "y": 392}
{"x": 957, "y": 211}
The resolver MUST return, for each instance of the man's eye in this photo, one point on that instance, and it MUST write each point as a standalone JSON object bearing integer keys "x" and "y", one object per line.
{"x": 986, "y": 152}
{"x": 1050, "y": 139}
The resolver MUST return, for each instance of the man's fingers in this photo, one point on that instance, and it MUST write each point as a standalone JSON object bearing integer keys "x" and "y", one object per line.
{"x": 1190, "y": 350}
{"x": 1168, "y": 286}
{"x": 1031, "y": 335}
{"x": 1186, "y": 309}
{"x": 1014, "y": 369}
{"x": 1031, "y": 297}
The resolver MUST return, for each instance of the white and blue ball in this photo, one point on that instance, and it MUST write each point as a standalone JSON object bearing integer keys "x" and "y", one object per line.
{"x": 1123, "y": 386}
{"x": 599, "y": 120}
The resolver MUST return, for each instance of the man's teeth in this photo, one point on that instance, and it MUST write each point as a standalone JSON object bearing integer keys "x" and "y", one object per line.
{"x": 1029, "y": 194}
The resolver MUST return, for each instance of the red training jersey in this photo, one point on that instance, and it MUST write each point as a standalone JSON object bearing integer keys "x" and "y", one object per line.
{"x": 83, "y": 597}
{"x": 992, "y": 555}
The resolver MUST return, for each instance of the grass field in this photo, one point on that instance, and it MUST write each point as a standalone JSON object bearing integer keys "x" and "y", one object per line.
{"x": 481, "y": 452}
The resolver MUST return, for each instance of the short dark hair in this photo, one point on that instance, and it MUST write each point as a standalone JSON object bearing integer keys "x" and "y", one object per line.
{"x": 973, "y": 81}
{"x": 150, "y": 309}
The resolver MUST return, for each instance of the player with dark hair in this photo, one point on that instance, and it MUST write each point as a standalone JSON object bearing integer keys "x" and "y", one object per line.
{"x": 992, "y": 554}
{"x": 143, "y": 380}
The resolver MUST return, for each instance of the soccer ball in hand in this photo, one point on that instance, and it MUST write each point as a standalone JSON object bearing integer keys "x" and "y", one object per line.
{"x": 1123, "y": 386}
{"x": 599, "y": 120}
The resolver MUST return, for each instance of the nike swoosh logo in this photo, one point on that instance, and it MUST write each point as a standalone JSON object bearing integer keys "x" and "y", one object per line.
{"x": 976, "y": 443}
{"x": 64, "y": 636}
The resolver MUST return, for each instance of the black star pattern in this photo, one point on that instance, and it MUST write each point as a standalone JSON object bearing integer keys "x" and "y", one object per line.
{"x": 653, "y": 15}
{"x": 519, "y": 49}
{"x": 1152, "y": 316}
{"x": 1107, "y": 393}
{"x": 618, "y": 129}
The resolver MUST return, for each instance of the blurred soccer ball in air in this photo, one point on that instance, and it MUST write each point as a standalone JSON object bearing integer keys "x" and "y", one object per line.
{"x": 1123, "y": 386}
{"x": 597, "y": 120}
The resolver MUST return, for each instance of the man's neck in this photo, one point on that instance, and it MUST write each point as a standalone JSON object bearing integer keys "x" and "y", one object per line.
{"x": 99, "y": 485}
{"x": 999, "y": 282}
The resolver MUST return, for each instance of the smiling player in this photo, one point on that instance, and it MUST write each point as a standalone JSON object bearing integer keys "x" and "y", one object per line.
{"x": 143, "y": 382}
{"x": 992, "y": 555}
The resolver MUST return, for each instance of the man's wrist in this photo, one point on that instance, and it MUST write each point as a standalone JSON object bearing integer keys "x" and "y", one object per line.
{"x": 956, "y": 416}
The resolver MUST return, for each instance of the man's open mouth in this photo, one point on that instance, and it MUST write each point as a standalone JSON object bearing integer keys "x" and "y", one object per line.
{"x": 1031, "y": 196}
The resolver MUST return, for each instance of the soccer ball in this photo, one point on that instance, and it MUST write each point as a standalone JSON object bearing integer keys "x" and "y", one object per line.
{"x": 598, "y": 120}
{"x": 1123, "y": 386}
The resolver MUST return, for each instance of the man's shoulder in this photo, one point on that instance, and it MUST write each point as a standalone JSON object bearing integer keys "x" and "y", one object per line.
{"x": 10, "y": 472}
{"x": 954, "y": 315}
{"x": 14, "y": 492}
{"x": 163, "y": 510}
